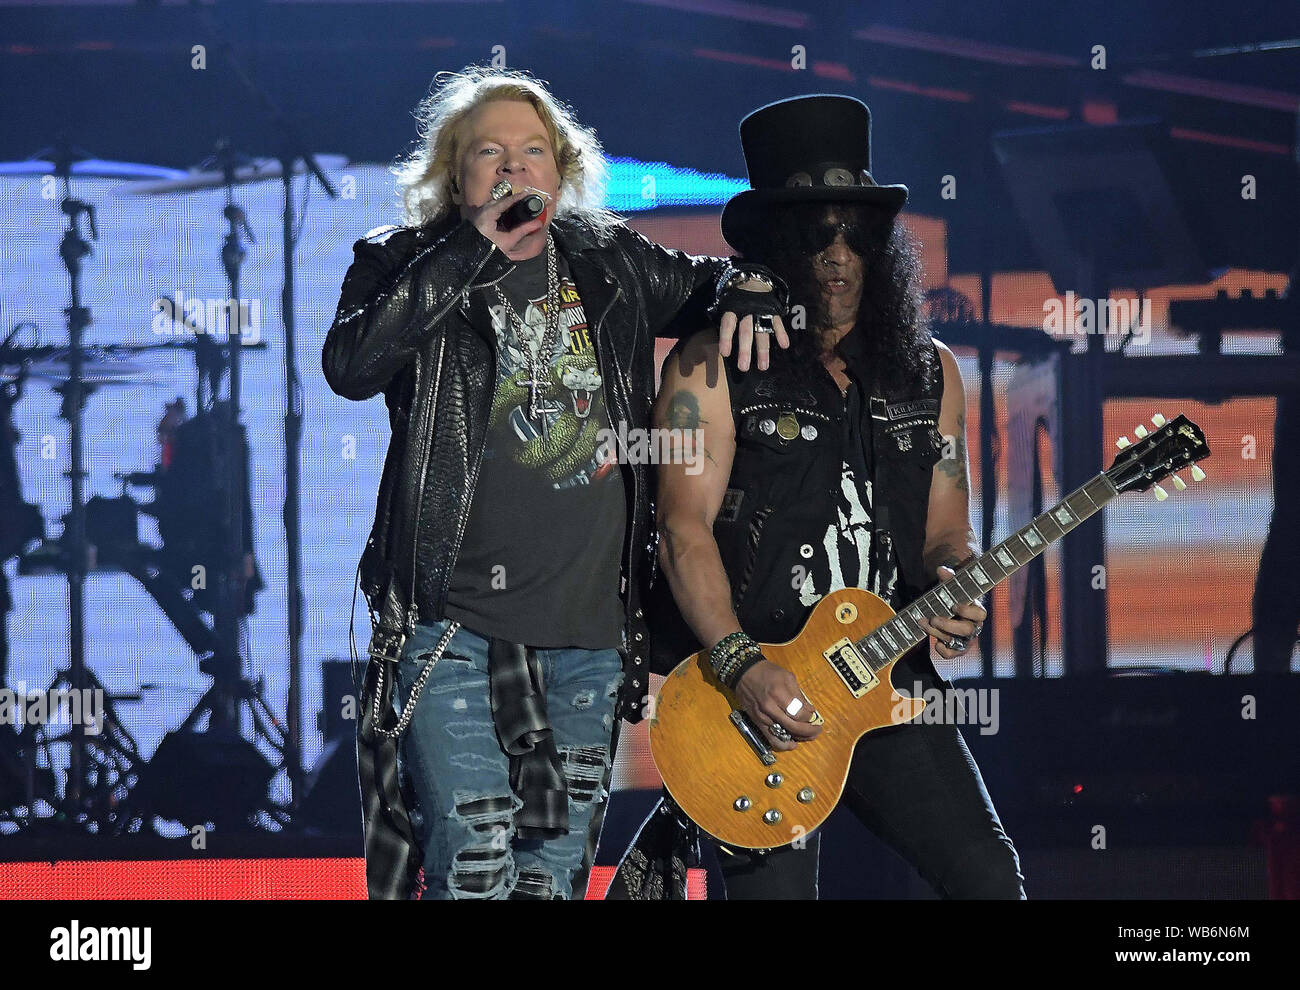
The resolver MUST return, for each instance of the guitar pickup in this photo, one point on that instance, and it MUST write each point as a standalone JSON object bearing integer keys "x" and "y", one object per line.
{"x": 857, "y": 676}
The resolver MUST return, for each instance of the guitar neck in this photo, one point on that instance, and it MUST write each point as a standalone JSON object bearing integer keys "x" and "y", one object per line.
{"x": 986, "y": 572}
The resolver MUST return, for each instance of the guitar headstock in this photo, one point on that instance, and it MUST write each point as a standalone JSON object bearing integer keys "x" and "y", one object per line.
{"x": 1156, "y": 455}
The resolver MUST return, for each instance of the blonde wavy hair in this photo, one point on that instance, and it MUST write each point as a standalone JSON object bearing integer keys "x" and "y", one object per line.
{"x": 424, "y": 176}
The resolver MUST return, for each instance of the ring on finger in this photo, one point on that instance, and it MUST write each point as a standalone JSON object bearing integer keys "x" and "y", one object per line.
{"x": 957, "y": 643}
{"x": 794, "y": 708}
{"x": 780, "y": 732}
{"x": 763, "y": 324}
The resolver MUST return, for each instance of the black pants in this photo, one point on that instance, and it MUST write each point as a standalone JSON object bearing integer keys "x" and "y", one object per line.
{"x": 1276, "y": 605}
{"x": 917, "y": 788}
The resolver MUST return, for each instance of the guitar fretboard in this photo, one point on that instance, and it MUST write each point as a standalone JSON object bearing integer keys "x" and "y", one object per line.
{"x": 986, "y": 572}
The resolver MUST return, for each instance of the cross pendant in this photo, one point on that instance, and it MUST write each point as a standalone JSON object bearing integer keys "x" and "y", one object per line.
{"x": 538, "y": 407}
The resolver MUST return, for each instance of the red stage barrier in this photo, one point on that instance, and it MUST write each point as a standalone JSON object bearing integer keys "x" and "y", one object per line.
{"x": 222, "y": 879}
{"x": 185, "y": 879}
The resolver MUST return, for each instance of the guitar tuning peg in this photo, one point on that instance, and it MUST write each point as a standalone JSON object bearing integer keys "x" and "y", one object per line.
{"x": 1197, "y": 473}
{"x": 1161, "y": 494}
{"x": 1140, "y": 432}
{"x": 1122, "y": 442}
{"x": 1179, "y": 483}
{"x": 1158, "y": 420}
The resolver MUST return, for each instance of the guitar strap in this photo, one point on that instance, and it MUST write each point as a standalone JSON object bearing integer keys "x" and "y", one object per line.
{"x": 882, "y": 541}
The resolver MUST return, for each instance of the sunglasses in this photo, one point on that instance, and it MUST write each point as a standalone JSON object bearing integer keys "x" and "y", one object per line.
{"x": 816, "y": 238}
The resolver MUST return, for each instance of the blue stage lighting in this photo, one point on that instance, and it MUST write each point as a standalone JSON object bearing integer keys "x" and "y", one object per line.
{"x": 636, "y": 186}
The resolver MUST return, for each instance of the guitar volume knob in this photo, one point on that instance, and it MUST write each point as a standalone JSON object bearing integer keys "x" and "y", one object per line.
{"x": 742, "y": 803}
{"x": 771, "y": 816}
{"x": 806, "y": 795}
{"x": 774, "y": 780}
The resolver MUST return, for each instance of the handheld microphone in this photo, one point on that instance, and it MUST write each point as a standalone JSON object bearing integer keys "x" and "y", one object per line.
{"x": 528, "y": 208}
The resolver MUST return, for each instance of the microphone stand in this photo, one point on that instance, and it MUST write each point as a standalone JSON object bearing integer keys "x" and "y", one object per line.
{"x": 293, "y": 148}
{"x": 227, "y": 666}
{"x": 72, "y": 250}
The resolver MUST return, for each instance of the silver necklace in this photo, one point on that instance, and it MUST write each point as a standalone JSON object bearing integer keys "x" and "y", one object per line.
{"x": 539, "y": 409}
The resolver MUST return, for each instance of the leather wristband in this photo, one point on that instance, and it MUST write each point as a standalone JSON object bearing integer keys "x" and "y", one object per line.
{"x": 730, "y": 298}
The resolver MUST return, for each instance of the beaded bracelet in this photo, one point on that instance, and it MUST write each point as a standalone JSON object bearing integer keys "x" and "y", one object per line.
{"x": 728, "y": 648}
{"x": 725, "y": 645}
{"x": 726, "y": 670}
{"x": 733, "y": 655}
{"x": 747, "y": 660}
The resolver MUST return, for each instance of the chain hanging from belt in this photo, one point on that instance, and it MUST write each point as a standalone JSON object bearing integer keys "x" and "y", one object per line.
{"x": 539, "y": 359}
{"x": 409, "y": 708}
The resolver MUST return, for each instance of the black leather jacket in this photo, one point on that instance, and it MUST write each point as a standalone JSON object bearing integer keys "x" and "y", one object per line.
{"x": 409, "y": 326}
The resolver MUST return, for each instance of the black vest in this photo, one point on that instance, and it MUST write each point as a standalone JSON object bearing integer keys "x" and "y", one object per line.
{"x": 782, "y": 494}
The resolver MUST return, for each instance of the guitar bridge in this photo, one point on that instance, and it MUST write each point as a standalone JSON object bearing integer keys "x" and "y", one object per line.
{"x": 854, "y": 671}
{"x": 752, "y": 736}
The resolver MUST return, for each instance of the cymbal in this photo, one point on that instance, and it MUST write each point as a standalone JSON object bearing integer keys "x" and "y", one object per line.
{"x": 13, "y": 356}
{"x": 93, "y": 168}
{"x": 188, "y": 343}
{"x": 198, "y": 179}
{"x": 98, "y": 367}
{"x": 130, "y": 374}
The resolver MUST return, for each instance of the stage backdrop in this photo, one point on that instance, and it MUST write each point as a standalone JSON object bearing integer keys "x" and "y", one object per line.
{"x": 1180, "y": 574}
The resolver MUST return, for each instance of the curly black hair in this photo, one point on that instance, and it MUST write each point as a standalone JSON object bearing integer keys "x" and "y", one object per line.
{"x": 891, "y": 323}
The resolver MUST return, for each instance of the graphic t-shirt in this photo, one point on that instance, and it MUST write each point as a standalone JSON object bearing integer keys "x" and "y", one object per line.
{"x": 843, "y": 557}
{"x": 540, "y": 560}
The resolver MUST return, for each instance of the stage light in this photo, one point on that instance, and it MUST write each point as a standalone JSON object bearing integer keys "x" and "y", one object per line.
{"x": 636, "y": 186}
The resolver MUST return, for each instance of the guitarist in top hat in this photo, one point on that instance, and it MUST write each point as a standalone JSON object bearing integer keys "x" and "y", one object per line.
{"x": 840, "y": 464}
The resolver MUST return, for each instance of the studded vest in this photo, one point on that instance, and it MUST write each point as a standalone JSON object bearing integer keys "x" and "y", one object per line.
{"x": 785, "y": 499}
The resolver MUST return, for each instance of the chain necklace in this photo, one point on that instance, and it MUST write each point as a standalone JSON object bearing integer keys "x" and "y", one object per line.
{"x": 538, "y": 408}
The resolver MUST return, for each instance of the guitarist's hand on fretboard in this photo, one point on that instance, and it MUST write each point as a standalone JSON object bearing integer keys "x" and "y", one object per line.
{"x": 768, "y": 693}
{"x": 964, "y": 626}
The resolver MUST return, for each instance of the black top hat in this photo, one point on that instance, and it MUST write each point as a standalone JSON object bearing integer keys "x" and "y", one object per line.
{"x": 802, "y": 150}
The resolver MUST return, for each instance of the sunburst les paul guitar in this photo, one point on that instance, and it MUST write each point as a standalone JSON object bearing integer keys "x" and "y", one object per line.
{"x": 717, "y": 764}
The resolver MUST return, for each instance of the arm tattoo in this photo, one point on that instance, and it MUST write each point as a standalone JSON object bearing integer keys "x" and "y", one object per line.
{"x": 683, "y": 413}
{"x": 941, "y": 556}
{"x": 945, "y": 555}
{"x": 955, "y": 466}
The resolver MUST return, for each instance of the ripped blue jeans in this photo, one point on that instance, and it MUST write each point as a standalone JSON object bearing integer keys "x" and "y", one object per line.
{"x": 460, "y": 775}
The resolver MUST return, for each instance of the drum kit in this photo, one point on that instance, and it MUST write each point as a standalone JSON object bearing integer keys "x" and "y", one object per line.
{"x": 205, "y": 770}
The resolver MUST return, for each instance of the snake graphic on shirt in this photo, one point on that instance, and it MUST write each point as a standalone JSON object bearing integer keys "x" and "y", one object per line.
{"x": 570, "y": 453}
{"x": 572, "y": 437}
